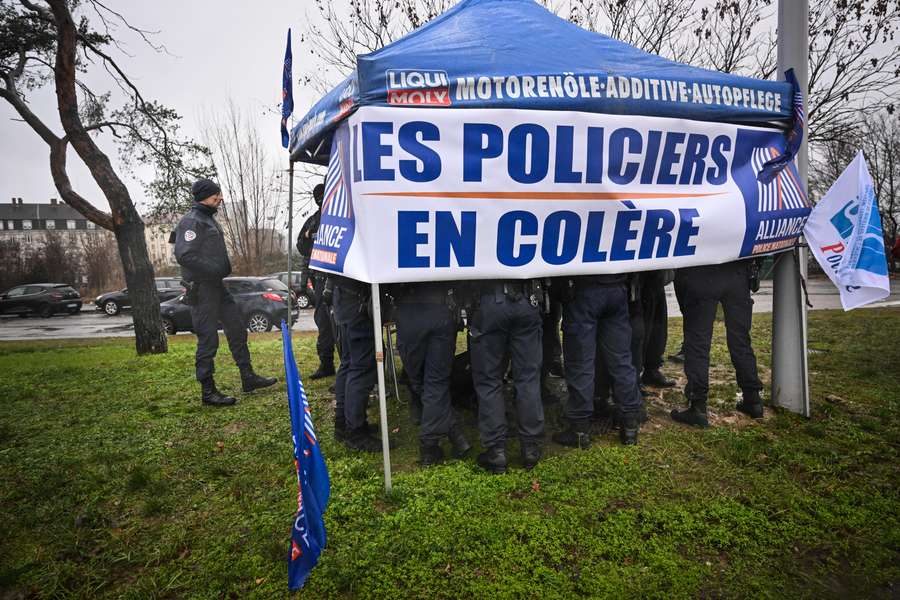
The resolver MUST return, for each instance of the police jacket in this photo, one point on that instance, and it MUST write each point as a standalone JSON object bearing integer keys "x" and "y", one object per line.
{"x": 200, "y": 246}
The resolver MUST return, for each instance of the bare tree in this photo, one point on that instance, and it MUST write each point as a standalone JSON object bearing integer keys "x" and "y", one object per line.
{"x": 102, "y": 269}
{"x": 248, "y": 179}
{"x": 44, "y": 42}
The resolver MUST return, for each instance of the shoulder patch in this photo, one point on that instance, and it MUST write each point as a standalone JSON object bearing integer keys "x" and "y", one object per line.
{"x": 190, "y": 235}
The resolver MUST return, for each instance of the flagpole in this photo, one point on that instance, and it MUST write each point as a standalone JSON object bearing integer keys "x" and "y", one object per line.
{"x": 382, "y": 401}
{"x": 290, "y": 237}
{"x": 790, "y": 371}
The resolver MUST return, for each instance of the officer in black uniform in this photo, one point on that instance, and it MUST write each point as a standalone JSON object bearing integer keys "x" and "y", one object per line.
{"x": 506, "y": 318}
{"x": 595, "y": 310}
{"x": 357, "y": 372}
{"x": 603, "y": 383}
{"x": 321, "y": 314}
{"x": 200, "y": 250}
{"x": 701, "y": 290}
{"x": 427, "y": 321}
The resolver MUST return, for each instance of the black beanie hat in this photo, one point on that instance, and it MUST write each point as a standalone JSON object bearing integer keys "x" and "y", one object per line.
{"x": 319, "y": 193}
{"x": 204, "y": 188}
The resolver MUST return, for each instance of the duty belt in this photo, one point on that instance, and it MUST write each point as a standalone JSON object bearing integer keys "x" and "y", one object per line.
{"x": 513, "y": 289}
{"x": 597, "y": 280}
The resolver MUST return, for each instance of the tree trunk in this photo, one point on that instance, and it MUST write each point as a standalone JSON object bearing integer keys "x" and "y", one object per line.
{"x": 149, "y": 335}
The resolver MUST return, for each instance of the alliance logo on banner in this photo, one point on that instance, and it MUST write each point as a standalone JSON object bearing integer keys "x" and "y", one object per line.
{"x": 844, "y": 234}
{"x": 337, "y": 224}
{"x": 494, "y": 193}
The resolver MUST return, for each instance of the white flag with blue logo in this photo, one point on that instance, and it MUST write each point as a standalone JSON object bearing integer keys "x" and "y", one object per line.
{"x": 844, "y": 233}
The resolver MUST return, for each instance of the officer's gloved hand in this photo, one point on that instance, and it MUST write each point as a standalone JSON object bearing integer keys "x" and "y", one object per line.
{"x": 328, "y": 295}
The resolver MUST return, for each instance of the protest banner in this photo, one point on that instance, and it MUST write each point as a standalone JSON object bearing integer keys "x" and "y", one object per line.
{"x": 416, "y": 194}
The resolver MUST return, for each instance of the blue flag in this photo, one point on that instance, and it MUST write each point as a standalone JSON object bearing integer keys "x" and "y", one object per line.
{"x": 794, "y": 135}
{"x": 313, "y": 485}
{"x": 287, "y": 92}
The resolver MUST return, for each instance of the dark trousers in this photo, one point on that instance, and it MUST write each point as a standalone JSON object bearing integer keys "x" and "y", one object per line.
{"x": 322, "y": 318}
{"x": 215, "y": 305}
{"x": 426, "y": 340}
{"x": 603, "y": 383}
{"x": 501, "y": 325}
{"x": 656, "y": 319}
{"x": 357, "y": 373}
{"x": 598, "y": 314}
{"x": 701, "y": 290}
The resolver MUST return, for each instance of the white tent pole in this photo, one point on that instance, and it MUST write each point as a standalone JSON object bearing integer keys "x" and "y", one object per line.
{"x": 382, "y": 402}
{"x": 290, "y": 237}
{"x": 790, "y": 373}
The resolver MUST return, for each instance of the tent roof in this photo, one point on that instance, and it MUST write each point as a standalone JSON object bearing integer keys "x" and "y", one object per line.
{"x": 516, "y": 54}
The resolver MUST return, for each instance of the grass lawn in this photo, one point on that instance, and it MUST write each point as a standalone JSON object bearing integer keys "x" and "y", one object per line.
{"x": 116, "y": 482}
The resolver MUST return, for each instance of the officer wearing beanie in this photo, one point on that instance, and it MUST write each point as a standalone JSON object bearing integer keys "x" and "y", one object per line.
{"x": 200, "y": 250}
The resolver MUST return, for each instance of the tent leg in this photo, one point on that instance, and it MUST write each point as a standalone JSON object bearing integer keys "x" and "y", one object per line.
{"x": 382, "y": 402}
{"x": 392, "y": 364}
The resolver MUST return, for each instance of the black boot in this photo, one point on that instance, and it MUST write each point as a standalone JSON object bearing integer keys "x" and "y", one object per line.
{"x": 493, "y": 460}
{"x": 751, "y": 404}
{"x": 575, "y": 436}
{"x": 531, "y": 454}
{"x": 458, "y": 441}
{"x": 628, "y": 430}
{"x": 693, "y": 415}
{"x": 212, "y": 396}
{"x": 340, "y": 428}
{"x": 251, "y": 381}
{"x": 361, "y": 439}
{"x": 430, "y": 453}
{"x": 324, "y": 370}
{"x": 655, "y": 378}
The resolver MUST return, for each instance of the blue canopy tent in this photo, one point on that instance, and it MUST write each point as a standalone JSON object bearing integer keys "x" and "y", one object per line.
{"x": 514, "y": 54}
{"x": 478, "y": 44}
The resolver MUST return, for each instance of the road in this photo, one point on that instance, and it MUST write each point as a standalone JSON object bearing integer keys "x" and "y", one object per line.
{"x": 90, "y": 323}
{"x": 822, "y": 295}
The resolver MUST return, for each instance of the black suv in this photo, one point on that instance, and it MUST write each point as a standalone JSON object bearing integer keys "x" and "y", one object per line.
{"x": 43, "y": 299}
{"x": 112, "y": 303}
{"x": 305, "y": 295}
{"x": 261, "y": 301}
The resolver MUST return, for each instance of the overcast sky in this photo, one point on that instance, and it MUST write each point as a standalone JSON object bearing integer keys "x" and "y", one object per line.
{"x": 218, "y": 50}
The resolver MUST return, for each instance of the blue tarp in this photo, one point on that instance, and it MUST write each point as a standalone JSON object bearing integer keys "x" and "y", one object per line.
{"x": 516, "y": 54}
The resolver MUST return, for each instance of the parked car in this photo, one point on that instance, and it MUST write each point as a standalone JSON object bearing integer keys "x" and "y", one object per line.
{"x": 305, "y": 295}
{"x": 43, "y": 299}
{"x": 112, "y": 303}
{"x": 261, "y": 301}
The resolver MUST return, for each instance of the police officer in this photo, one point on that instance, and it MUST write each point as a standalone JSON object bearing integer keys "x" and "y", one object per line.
{"x": 200, "y": 250}
{"x": 506, "y": 318}
{"x": 356, "y": 374}
{"x": 595, "y": 310}
{"x": 603, "y": 384}
{"x": 426, "y": 317}
{"x": 321, "y": 314}
{"x": 701, "y": 290}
